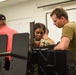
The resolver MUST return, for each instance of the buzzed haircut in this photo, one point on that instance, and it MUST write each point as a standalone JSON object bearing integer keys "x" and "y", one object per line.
{"x": 46, "y": 30}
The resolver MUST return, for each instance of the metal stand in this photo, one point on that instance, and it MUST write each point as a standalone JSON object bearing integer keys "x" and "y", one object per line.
{"x": 54, "y": 62}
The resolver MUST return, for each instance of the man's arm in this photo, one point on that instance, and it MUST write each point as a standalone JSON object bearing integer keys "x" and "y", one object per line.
{"x": 63, "y": 45}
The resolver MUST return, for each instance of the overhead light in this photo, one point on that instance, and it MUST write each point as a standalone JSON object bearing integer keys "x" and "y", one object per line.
{"x": 2, "y": 0}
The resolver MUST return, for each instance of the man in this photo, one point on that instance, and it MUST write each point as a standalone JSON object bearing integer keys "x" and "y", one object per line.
{"x": 68, "y": 38}
{"x": 6, "y": 30}
{"x": 46, "y": 38}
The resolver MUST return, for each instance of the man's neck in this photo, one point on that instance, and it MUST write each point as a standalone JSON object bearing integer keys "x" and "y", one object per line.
{"x": 1, "y": 25}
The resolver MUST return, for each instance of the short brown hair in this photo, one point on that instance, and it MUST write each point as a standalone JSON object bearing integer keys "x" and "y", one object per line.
{"x": 59, "y": 13}
{"x": 46, "y": 30}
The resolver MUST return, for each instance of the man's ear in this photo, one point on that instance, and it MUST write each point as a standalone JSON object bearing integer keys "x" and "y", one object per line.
{"x": 62, "y": 18}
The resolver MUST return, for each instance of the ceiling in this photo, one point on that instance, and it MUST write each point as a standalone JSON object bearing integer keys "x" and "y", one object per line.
{"x": 11, "y": 2}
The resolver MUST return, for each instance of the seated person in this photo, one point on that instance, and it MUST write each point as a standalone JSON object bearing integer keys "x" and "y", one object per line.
{"x": 46, "y": 38}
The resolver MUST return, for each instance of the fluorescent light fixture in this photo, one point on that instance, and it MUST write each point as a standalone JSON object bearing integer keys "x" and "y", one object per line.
{"x": 2, "y": 0}
{"x": 54, "y": 2}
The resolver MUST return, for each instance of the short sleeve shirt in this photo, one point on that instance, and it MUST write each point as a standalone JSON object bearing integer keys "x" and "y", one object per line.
{"x": 69, "y": 30}
{"x": 9, "y": 32}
